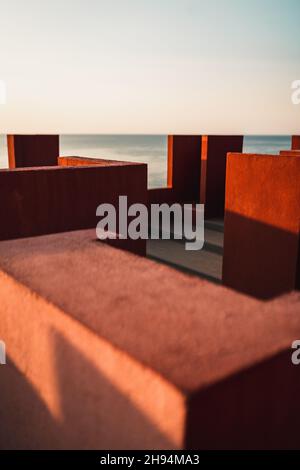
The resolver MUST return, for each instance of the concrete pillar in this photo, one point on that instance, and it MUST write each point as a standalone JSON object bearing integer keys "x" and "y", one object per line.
{"x": 261, "y": 231}
{"x": 183, "y": 176}
{"x": 184, "y": 166}
{"x": 296, "y": 142}
{"x": 197, "y": 171}
{"x": 213, "y": 171}
{"x": 32, "y": 150}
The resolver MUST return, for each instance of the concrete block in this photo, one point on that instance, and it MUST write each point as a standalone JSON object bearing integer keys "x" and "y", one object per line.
{"x": 261, "y": 231}
{"x": 32, "y": 150}
{"x": 197, "y": 171}
{"x": 296, "y": 142}
{"x": 183, "y": 176}
{"x": 213, "y": 171}
{"x": 108, "y": 350}
{"x": 184, "y": 166}
{"x": 37, "y": 201}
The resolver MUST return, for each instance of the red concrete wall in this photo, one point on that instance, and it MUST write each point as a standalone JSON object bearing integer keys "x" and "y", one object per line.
{"x": 88, "y": 161}
{"x": 38, "y": 201}
{"x": 161, "y": 195}
{"x": 261, "y": 233}
{"x": 250, "y": 410}
{"x": 184, "y": 166}
{"x": 110, "y": 350}
{"x": 32, "y": 150}
{"x": 197, "y": 171}
{"x": 167, "y": 195}
{"x": 213, "y": 171}
{"x": 184, "y": 169}
{"x": 290, "y": 153}
{"x": 296, "y": 142}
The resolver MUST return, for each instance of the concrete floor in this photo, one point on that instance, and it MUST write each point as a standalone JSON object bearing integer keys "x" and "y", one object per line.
{"x": 207, "y": 263}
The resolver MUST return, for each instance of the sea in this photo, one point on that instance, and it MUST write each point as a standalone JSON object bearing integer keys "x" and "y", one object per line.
{"x": 150, "y": 149}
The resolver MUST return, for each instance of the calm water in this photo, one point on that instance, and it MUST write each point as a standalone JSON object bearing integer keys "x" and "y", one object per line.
{"x": 147, "y": 149}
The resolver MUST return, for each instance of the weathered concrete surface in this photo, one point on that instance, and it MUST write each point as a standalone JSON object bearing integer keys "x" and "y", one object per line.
{"x": 213, "y": 171}
{"x": 261, "y": 234}
{"x": 296, "y": 142}
{"x": 111, "y": 350}
{"x": 32, "y": 150}
{"x": 37, "y": 201}
{"x": 65, "y": 387}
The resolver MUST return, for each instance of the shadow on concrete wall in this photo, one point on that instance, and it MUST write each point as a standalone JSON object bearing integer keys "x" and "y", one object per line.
{"x": 24, "y": 416}
{"x": 259, "y": 259}
{"x": 94, "y": 414}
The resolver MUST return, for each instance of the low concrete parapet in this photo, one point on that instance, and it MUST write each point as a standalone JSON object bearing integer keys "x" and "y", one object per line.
{"x": 38, "y": 201}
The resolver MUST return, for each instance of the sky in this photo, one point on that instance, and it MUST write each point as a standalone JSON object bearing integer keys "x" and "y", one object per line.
{"x": 149, "y": 66}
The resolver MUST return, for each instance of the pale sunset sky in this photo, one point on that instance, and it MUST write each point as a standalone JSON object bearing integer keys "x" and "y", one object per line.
{"x": 149, "y": 66}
